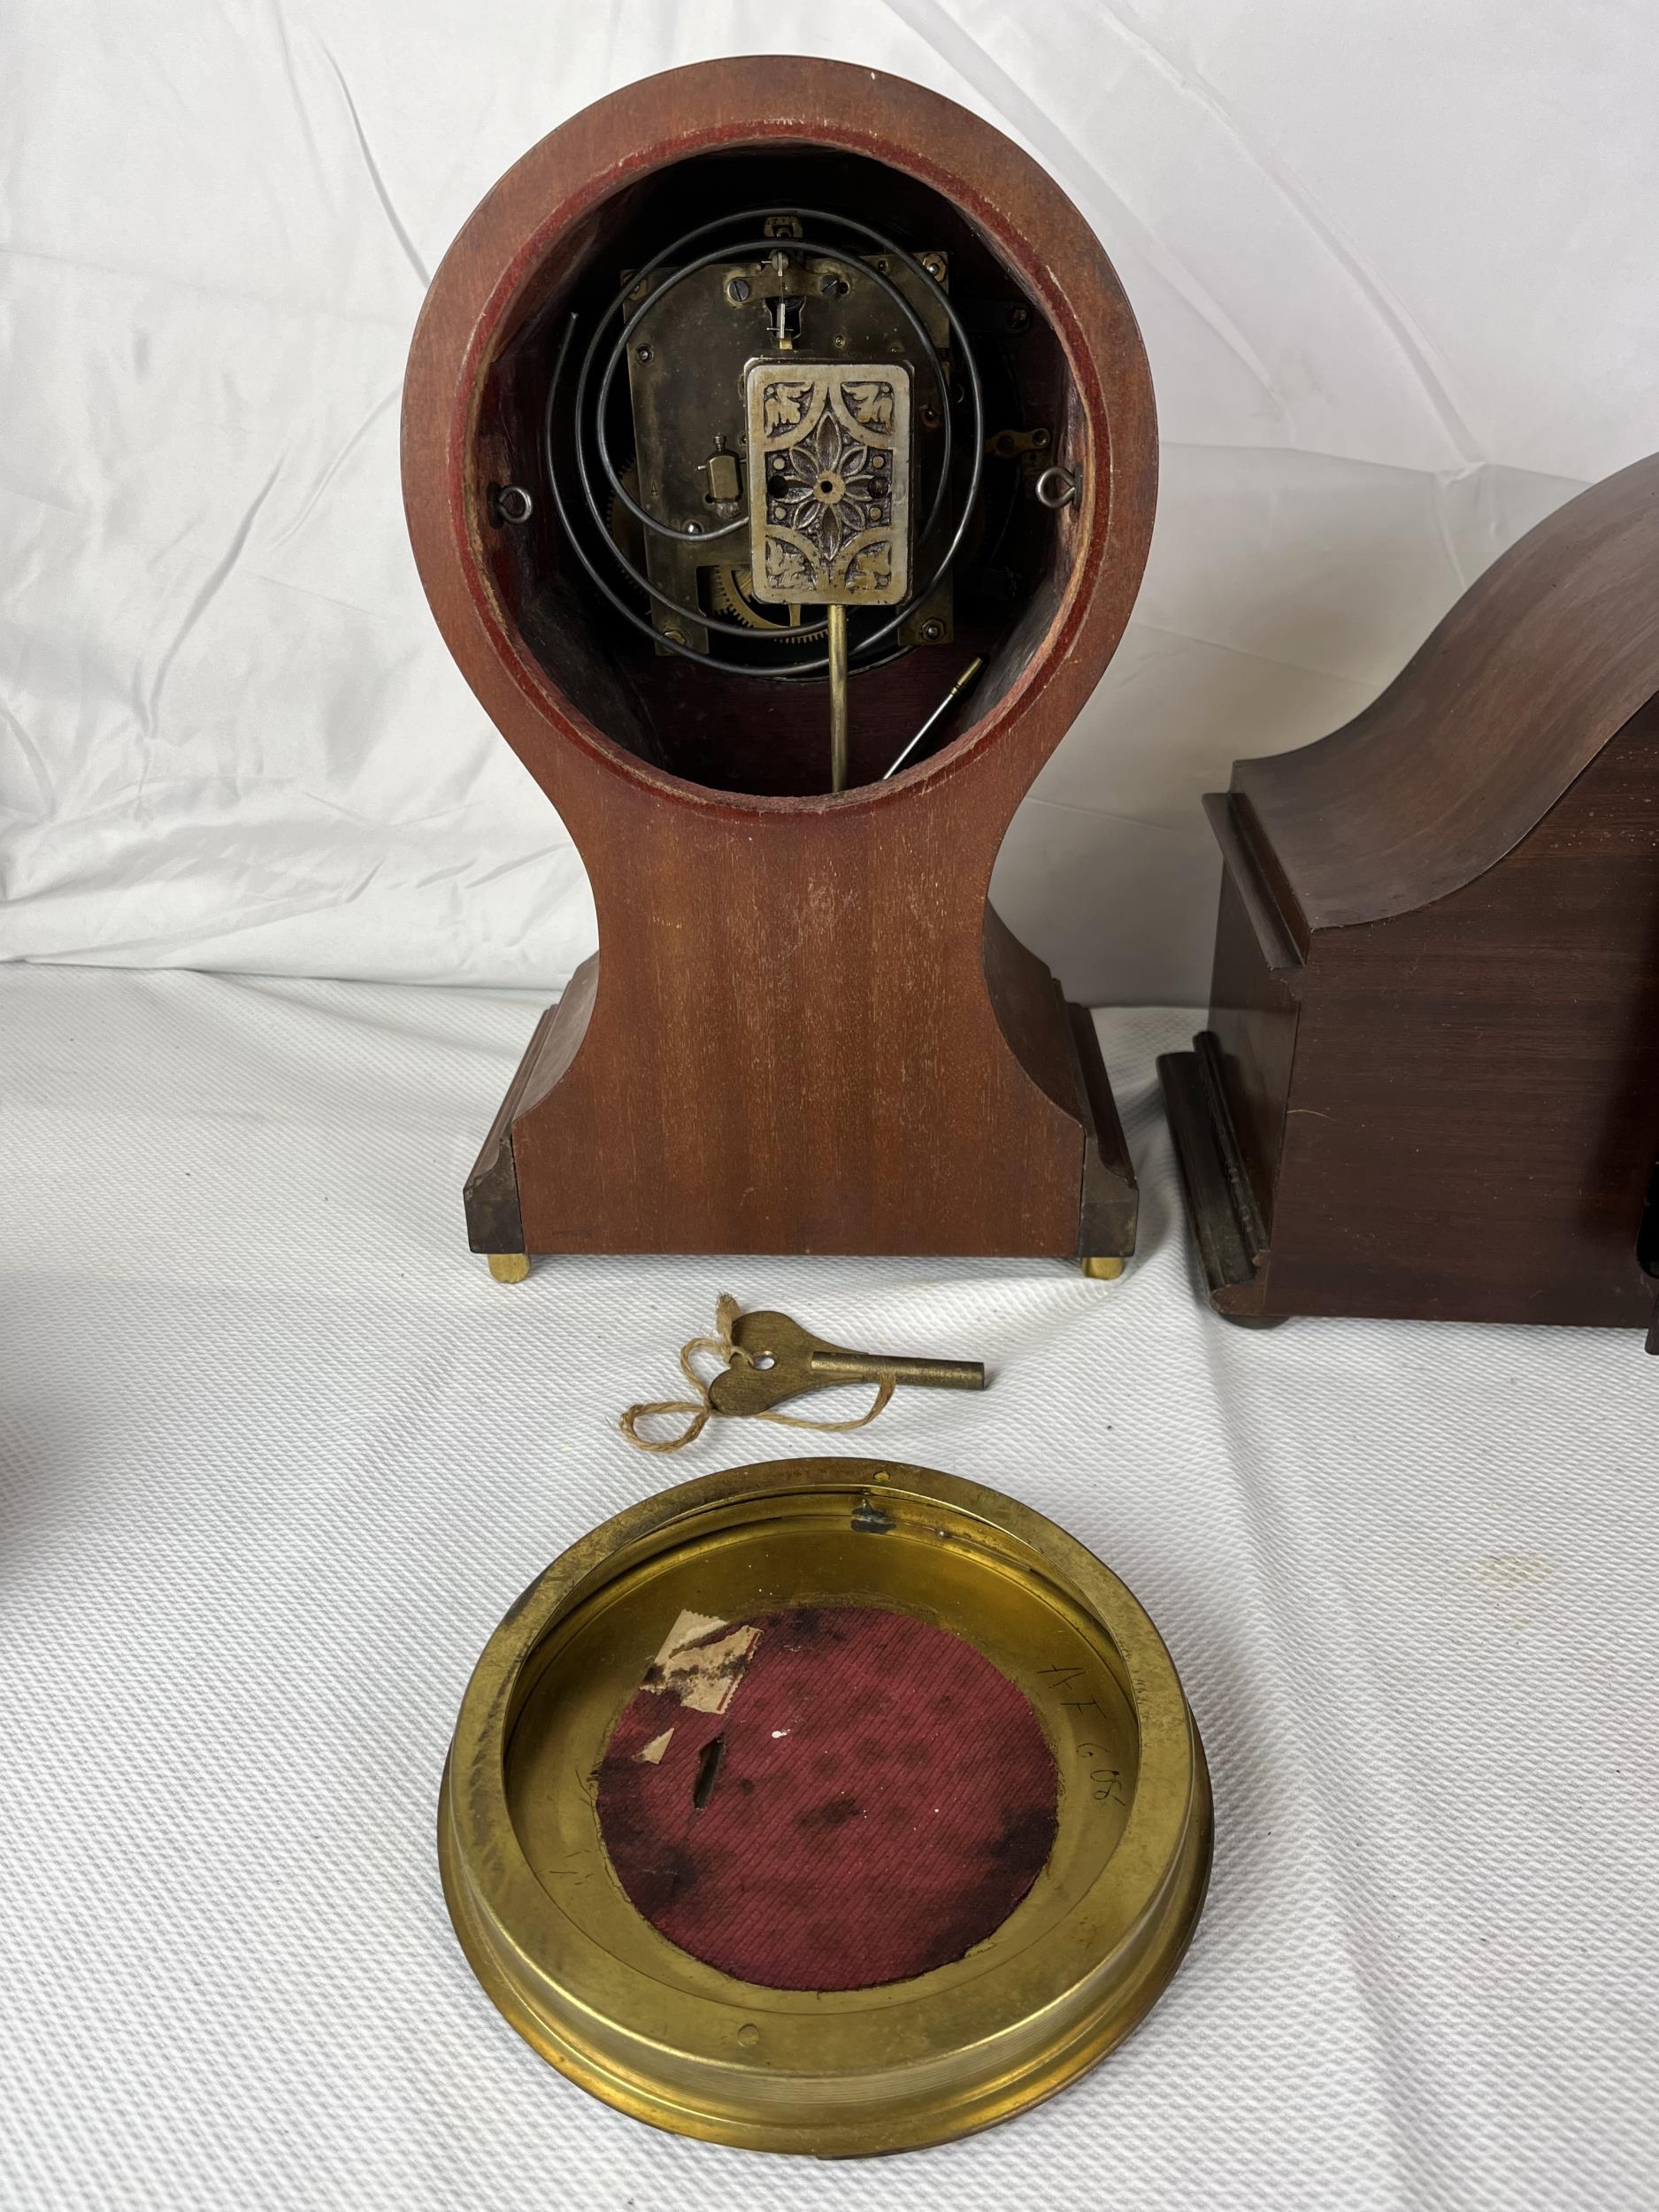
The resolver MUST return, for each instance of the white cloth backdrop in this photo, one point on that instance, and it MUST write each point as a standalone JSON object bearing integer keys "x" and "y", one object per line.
{"x": 1394, "y": 264}
{"x": 279, "y": 1456}
{"x": 274, "y": 1455}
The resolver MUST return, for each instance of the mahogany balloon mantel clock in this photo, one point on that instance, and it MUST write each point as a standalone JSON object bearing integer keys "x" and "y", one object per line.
{"x": 780, "y": 459}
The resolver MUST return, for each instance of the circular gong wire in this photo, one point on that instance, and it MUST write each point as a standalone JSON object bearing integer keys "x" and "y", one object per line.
{"x": 651, "y": 522}
{"x": 861, "y": 652}
{"x": 619, "y": 347}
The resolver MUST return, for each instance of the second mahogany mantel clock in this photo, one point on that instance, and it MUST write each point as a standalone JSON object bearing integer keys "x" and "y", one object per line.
{"x": 779, "y": 458}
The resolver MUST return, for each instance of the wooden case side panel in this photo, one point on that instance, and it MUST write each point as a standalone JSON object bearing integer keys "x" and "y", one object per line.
{"x": 1475, "y": 1116}
{"x": 1253, "y": 1015}
{"x": 1031, "y": 1014}
{"x": 494, "y": 1217}
{"x": 1109, "y": 1218}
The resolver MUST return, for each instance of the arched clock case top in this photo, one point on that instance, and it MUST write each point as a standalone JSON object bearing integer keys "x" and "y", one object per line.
{"x": 1429, "y": 1085}
{"x": 805, "y": 1028}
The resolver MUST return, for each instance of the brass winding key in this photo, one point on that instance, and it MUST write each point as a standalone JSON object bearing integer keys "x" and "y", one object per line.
{"x": 775, "y": 1358}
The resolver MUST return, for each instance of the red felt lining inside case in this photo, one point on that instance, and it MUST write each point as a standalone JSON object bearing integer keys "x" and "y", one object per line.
{"x": 870, "y": 1800}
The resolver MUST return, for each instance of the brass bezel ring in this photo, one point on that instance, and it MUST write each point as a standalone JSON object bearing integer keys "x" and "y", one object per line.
{"x": 621, "y": 2010}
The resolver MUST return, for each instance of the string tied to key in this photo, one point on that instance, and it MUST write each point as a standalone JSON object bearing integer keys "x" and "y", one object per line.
{"x": 767, "y": 1358}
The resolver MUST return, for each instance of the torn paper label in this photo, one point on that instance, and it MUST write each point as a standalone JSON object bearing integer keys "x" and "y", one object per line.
{"x": 701, "y": 1662}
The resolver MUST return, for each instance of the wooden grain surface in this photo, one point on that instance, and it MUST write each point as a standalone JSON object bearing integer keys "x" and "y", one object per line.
{"x": 792, "y": 1043}
{"x": 1475, "y": 1113}
{"x": 1436, "y": 990}
{"x": 1516, "y": 692}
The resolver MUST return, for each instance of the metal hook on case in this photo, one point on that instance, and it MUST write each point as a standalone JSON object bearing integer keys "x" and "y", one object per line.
{"x": 509, "y": 503}
{"x": 1056, "y": 487}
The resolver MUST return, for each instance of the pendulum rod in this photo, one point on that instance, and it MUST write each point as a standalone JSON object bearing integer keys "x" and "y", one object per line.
{"x": 837, "y": 695}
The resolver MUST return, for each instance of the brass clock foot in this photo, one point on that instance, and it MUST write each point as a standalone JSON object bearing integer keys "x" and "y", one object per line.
{"x": 1099, "y": 1270}
{"x": 510, "y": 1267}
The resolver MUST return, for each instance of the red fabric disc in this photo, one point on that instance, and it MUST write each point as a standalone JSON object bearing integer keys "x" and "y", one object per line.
{"x": 871, "y": 1801}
